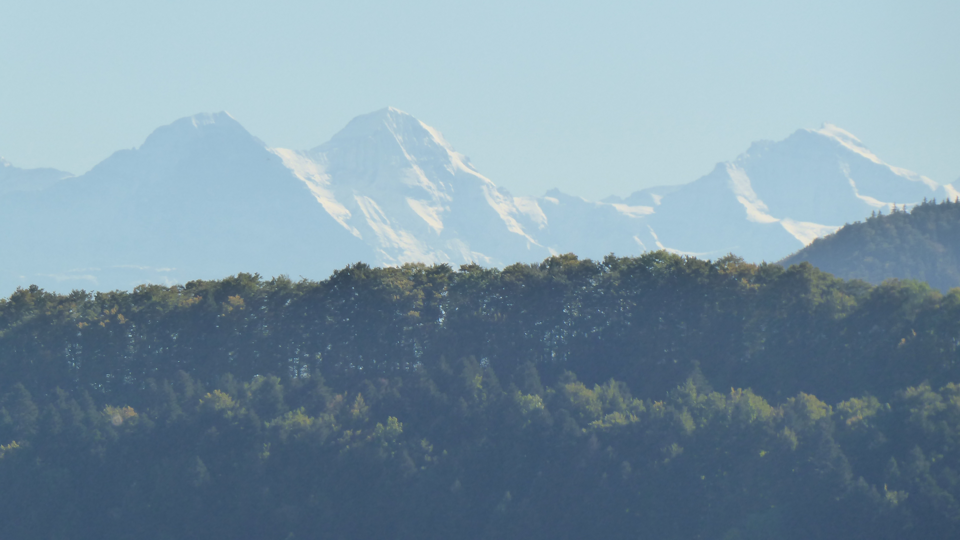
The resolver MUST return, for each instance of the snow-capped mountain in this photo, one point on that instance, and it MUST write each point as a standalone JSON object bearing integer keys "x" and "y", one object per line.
{"x": 394, "y": 183}
{"x": 200, "y": 199}
{"x": 203, "y": 198}
{"x": 778, "y": 196}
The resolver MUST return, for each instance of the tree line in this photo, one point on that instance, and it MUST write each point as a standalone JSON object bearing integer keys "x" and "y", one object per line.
{"x": 654, "y": 397}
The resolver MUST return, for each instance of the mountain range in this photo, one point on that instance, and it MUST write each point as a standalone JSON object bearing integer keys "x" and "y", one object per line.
{"x": 202, "y": 198}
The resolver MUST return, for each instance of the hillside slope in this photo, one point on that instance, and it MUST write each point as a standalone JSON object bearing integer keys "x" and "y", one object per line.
{"x": 922, "y": 244}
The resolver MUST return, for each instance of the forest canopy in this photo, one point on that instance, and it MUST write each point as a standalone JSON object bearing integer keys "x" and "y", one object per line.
{"x": 653, "y": 397}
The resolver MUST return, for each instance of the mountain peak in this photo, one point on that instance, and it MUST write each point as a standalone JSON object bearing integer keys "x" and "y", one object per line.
{"x": 206, "y": 119}
{"x": 192, "y": 129}
{"x": 388, "y": 120}
{"x": 847, "y": 140}
{"x": 836, "y": 132}
{"x": 394, "y": 133}
{"x": 844, "y": 137}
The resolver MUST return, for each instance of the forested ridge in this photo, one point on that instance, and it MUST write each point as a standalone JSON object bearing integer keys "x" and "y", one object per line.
{"x": 649, "y": 397}
{"x": 922, "y": 244}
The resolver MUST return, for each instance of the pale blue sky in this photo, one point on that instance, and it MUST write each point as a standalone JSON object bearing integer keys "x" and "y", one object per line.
{"x": 595, "y": 98}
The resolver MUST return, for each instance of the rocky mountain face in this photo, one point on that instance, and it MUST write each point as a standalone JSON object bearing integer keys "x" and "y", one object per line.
{"x": 203, "y": 198}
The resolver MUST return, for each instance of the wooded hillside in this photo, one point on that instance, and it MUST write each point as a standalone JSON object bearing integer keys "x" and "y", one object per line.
{"x": 922, "y": 244}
